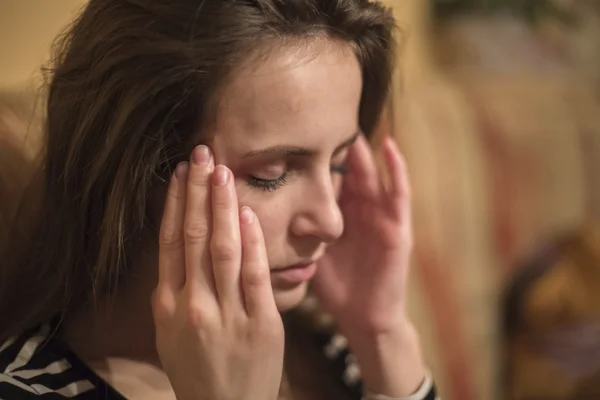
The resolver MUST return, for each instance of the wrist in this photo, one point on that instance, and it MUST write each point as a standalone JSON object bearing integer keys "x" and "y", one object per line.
{"x": 373, "y": 337}
{"x": 426, "y": 391}
{"x": 390, "y": 361}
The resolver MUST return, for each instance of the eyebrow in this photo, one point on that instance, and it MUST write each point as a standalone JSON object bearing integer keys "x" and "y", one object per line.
{"x": 283, "y": 150}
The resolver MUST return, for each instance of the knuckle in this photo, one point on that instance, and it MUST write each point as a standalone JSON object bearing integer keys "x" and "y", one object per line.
{"x": 174, "y": 194}
{"x": 199, "y": 176}
{"x": 222, "y": 200}
{"x": 162, "y": 308}
{"x": 223, "y": 252}
{"x": 196, "y": 316}
{"x": 195, "y": 231}
{"x": 251, "y": 239}
{"x": 170, "y": 236}
{"x": 257, "y": 276}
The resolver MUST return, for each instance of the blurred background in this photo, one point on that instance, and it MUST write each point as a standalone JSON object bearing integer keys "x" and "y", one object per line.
{"x": 496, "y": 105}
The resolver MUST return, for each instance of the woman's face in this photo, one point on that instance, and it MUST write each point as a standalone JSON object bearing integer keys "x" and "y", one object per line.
{"x": 284, "y": 129}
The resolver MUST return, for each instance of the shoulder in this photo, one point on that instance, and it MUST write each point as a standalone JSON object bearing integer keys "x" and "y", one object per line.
{"x": 34, "y": 365}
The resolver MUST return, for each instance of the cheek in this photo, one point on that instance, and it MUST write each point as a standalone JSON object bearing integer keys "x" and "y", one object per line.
{"x": 273, "y": 216}
{"x": 274, "y": 225}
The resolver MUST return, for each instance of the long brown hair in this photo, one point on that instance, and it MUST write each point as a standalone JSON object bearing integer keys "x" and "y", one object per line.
{"x": 132, "y": 87}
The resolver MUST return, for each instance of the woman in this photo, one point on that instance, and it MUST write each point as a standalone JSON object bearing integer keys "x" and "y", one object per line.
{"x": 195, "y": 153}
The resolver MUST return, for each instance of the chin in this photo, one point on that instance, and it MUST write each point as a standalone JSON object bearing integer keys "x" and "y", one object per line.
{"x": 289, "y": 297}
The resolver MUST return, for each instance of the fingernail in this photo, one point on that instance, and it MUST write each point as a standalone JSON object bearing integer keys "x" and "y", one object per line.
{"x": 181, "y": 171}
{"x": 201, "y": 155}
{"x": 220, "y": 176}
{"x": 246, "y": 215}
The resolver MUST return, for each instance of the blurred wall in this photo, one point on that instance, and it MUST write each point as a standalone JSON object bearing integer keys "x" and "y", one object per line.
{"x": 27, "y": 28}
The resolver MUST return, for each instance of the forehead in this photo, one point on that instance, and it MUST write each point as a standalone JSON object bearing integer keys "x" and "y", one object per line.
{"x": 311, "y": 92}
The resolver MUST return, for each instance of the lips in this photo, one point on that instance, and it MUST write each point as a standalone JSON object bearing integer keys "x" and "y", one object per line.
{"x": 294, "y": 274}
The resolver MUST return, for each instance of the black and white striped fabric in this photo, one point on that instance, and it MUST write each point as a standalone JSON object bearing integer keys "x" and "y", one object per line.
{"x": 345, "y": 366}
{"x": 38, "y": 365}
{"x": 32, "y": 366}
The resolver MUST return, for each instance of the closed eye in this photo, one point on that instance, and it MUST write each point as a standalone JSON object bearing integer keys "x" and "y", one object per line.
{"x": 268, "y": 185}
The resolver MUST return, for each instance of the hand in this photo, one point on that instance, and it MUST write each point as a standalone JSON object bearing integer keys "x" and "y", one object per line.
{"x": 219, "y": 335}
{"x": 361, "y": 278}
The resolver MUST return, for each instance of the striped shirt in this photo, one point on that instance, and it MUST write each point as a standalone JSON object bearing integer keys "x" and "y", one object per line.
{"x": 38, "y": 365}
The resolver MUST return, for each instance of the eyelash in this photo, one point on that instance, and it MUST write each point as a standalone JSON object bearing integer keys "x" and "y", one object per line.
{"x": 270, "y": 185}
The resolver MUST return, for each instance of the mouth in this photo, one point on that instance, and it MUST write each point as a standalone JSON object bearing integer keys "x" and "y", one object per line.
{"x": 294, "y": 274}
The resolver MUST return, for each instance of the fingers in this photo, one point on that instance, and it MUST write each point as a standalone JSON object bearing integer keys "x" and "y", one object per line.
{"x": 362, "y": 171}
{"x": 201, "y": 245}
{"x": 399, "y": 184}
{"x": 256, "y": 276}
{"x": 197, "y": 225}
{"x": 225, "y": 245}
{"x": 171, "y": 255}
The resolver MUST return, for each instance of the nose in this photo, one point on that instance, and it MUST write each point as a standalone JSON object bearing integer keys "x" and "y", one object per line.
{"x": 319, "y": 214}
